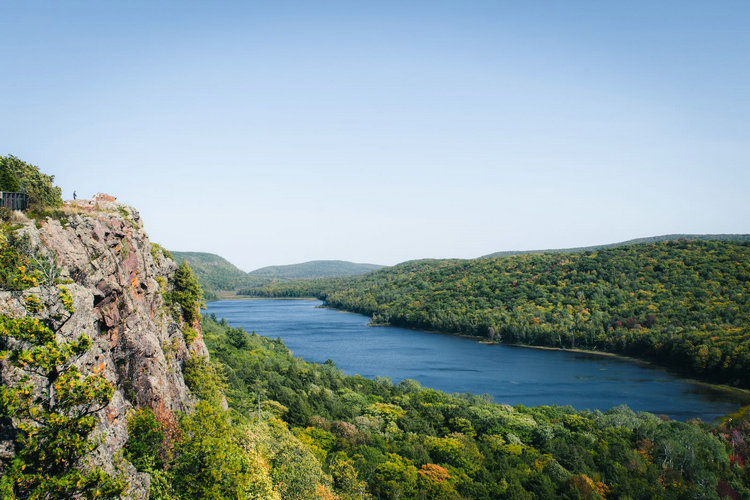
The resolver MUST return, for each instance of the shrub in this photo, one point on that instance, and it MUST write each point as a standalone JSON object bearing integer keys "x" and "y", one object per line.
{"x": 145, "y": 439}
{"x": 16, "y": 175}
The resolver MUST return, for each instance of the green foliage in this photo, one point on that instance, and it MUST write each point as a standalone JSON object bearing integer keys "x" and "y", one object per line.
{"x": 190, "y": 334}
{"x": 684, "y": 304}
{"x": 204, "y": 378}
{"x": 405, "y": 441}
{"x": 396, "y": 477}
{"x": 162, "y": 284}
{"x": 50, "y": 408}
{"x": 187, "y": 294}
{"x": 294, "y": 468}
{"x": 216, "y": 273}
{"x": 16, "y": 175}
{"x": 157, "y": 250}
{"x": 211, "y": 462}
{"x": 17, "y": 270}
{"x": 237, "y": 337}
{"x": 637, "y": 241}
{"x": 145, "y": 438}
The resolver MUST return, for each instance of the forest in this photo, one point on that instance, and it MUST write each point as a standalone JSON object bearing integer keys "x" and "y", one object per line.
{"x": 683, "y": 304}
{"x": 312, "y": 432}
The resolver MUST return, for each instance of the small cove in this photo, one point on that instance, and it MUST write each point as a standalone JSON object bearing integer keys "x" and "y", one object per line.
{"x": 512, "y": 375}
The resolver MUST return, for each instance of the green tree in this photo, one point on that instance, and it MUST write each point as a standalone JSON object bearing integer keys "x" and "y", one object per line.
{"x": 49, "y": 408}
{"x": 145, "y": 438}
{"x": 16, "y": 175}
{"x": 188, "y": 293}
{"x": 396, "y": 478}
{"x": 211, "y": 461}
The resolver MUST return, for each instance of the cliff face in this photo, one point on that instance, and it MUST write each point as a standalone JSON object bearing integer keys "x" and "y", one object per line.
{"x": 117, "y": 296}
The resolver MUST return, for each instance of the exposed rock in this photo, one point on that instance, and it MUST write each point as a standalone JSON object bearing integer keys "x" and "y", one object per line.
{"x": 137, "y": 344}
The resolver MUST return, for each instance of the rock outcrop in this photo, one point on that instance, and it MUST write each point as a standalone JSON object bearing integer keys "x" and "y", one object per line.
{"x": 116, "y": 280}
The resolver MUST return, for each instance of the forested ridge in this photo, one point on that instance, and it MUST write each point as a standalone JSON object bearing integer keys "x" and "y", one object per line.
{"x": 320, "y": 434}
{"x": 215, "y": 273}
{"x": 684, "y": 304}
{"x": 649, "y": 239}
{"x": 314, "y": 269}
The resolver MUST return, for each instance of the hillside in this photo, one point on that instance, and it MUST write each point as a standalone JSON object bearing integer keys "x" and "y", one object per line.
{"x": 652, "y": 239}
{"x": 683, "y": 304}
{"x": 314, "y": 269}
{"x": 215, "y": 273}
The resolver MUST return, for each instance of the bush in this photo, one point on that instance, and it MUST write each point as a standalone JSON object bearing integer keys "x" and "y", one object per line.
{"x": 16, "y": 175}
{"x": 145, "y": 439}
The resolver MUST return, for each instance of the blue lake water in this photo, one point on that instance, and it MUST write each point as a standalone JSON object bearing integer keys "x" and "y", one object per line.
{"x": 513, "y": 375}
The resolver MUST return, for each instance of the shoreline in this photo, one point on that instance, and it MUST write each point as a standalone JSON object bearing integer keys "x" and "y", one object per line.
{"x": 739, "y": 392}
{"x": 740, "y": 395}
{"x": 220, "y": 296}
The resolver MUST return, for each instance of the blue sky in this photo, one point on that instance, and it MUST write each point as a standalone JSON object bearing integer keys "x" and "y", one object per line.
{"x": 280, "y": 132}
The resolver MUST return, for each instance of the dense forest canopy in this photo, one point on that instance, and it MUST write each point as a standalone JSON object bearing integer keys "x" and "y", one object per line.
{"x": 370, "y": 437}
{"x": 649, "y": 239}
{"x": 684, "y": 303}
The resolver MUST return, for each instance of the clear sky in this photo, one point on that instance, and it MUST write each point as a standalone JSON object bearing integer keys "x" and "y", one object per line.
{"x": 382, "y": 131}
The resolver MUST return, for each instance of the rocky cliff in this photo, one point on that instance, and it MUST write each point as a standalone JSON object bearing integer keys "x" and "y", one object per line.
{"x": 117, "y": 280}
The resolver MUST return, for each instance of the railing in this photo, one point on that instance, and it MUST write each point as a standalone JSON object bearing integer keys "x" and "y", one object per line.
{"x": 14, "y": 201}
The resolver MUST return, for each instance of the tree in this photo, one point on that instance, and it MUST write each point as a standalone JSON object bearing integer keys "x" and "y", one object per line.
{"x": 211, "y": 461}
{"x": 397, "y": 477}
{"x": 16, "y": 175}
{"x": 237, "y": 337}
{"x": 49, "y": 407}
{"x": 145, "y": 438}
{"x": 188, "y": 293}
{"x": 434, "y": 482}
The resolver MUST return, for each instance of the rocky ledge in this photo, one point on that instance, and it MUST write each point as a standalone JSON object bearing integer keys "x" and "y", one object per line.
{"x": 116, "y": 279}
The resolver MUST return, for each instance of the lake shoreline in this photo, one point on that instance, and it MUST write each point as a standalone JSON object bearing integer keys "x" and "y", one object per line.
{"x": 227, "y": 296}
{"x": 512, "y": 376}
{"x": 740, "y": 394}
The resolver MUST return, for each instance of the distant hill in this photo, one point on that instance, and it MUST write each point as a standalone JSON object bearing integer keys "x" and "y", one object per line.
{"x": 314, "y": 269}
{"x": 652, "y": 239}
{"x": 215, "y": 272}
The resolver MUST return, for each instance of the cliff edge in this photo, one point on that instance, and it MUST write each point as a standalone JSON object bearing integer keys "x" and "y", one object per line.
{"x": 117, "y": 279}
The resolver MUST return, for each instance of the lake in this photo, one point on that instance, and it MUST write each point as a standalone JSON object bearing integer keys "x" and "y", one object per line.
{"x": 512, "y": 375}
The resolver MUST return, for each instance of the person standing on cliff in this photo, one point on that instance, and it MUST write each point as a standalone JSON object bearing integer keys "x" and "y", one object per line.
{"x": 75, "y": 195}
